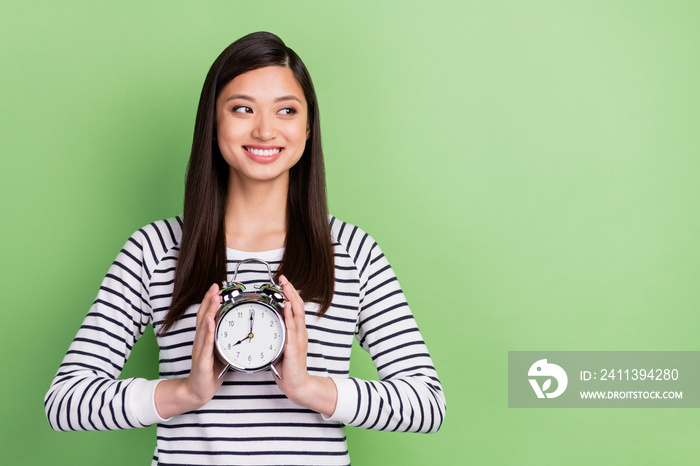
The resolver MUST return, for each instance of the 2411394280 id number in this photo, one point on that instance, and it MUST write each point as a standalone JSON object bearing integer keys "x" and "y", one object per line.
{"x": 635, "y": 374}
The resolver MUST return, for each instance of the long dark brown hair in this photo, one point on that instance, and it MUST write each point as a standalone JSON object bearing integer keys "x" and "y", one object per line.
{"x": 308, "y": 255}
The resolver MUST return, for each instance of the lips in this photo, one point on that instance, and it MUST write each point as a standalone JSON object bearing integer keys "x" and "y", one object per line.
{"x": 263, "y": 154}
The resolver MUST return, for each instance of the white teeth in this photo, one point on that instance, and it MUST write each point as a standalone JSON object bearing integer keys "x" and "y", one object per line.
{"x": 263, "y": 153}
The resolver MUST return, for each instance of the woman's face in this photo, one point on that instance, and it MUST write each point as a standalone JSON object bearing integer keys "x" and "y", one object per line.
{"x": 261, "y": 123}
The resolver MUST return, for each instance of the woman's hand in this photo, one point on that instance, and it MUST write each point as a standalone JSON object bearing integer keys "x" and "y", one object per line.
{"x": 316, "y": 393}
{"x": 203, "y": 381}
{"x": 177, "y": 396}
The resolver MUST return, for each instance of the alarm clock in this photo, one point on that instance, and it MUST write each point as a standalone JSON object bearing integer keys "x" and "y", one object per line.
{"x": 250, "y": 330}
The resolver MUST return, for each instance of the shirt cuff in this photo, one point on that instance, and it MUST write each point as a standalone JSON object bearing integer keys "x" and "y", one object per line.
{"x": 141, "y": 400}
{"x": 346, "y": 406}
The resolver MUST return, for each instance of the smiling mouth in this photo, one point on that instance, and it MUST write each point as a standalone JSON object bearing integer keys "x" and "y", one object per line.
{"x": 263, "y": 152}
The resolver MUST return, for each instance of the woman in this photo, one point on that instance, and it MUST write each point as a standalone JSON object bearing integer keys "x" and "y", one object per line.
{"x": 255, "y": 189}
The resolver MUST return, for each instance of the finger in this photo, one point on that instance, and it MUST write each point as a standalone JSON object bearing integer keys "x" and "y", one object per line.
{"x": 210, "y": 322}
{"x": 215, "y": 302}
{"x": 293, "y": 296}
{"x": 206, "y": 311}
{"x": 289, "y": 319}
{"x": 299, "y": 321}
{"x": 297, "y": 337}
{"x": 205, "y": 301}
{"x": 289, "y": 291}
{"x": 298, "y": 313}
{"x": 209, "y": 337}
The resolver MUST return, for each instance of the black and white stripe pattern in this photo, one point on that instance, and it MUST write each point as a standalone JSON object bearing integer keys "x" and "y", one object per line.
{"x": 249, "y": 421}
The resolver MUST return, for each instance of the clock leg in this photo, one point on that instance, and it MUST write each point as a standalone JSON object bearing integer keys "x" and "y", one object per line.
{"x": 274, "y": 371}
{"x": 224, "y": 371}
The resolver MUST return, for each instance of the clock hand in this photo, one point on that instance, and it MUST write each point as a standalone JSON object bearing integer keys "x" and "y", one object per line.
{"x": 241, "y": 340}
{"x": 252, "y": 320}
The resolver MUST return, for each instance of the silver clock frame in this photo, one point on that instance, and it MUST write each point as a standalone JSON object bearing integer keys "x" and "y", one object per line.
{"x": 234, "y": 295}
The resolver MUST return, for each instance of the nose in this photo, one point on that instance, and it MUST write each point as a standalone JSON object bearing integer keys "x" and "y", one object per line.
{"x": 264, "y": 128}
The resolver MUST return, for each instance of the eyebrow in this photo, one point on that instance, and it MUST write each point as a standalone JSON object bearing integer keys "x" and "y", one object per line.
{"x": 251, "y": 99}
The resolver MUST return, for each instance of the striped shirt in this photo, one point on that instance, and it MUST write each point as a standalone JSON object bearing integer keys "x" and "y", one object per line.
{"x": 249, "y": 421}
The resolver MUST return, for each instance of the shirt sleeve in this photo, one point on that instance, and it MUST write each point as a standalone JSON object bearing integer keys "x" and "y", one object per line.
{"x": 409, "y": 396}
{"x": 85, "y": 393}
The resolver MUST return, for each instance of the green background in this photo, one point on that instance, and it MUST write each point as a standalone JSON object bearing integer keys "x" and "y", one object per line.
{"x": 530, "y": 168}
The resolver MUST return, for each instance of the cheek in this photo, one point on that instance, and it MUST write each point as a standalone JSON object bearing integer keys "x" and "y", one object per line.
{"x": 230, "y": 134}
{"x": 300, "y": 132}
{"x": 229, "y": 142}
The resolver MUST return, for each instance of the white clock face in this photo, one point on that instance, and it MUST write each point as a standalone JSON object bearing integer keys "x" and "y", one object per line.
{"x": 250, "y": 336}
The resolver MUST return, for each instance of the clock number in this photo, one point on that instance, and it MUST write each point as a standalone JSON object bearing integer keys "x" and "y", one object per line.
{"x": 262, "y": 355}
{"x": 270, "y": 347}
{"x": 225, "y": 334}
{"x": 250, "y": 357}
{"x": 272, "y": 322}
{"x": 230, "y": 323}
{"x": 229, "y": 346}
{"x": 275, "y": 336}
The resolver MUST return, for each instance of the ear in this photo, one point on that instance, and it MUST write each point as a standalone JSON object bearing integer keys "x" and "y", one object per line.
{"x": 308, "y": 132}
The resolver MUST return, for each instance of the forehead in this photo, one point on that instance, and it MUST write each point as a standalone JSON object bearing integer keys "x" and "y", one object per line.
{"x": 264, "y": 84}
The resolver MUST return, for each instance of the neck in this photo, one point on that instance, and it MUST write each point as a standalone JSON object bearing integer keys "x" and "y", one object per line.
{"x": 256, "y": 213}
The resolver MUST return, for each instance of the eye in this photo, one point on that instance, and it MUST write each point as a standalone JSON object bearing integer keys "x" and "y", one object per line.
{"x": 288, "y": 111}
{"x": 242, "y": 109}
